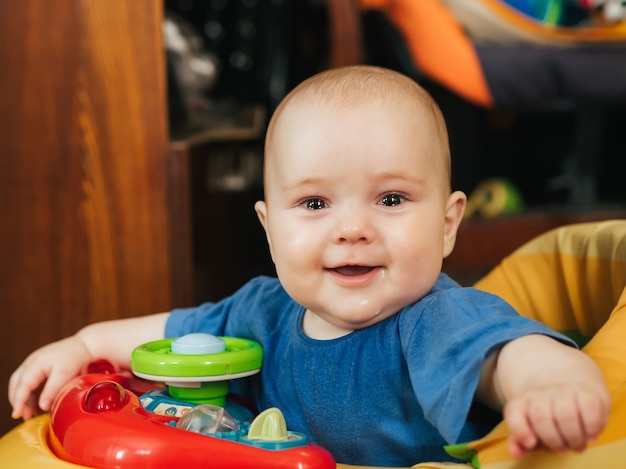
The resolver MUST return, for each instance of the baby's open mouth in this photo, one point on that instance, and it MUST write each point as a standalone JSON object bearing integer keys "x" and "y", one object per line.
{"x": 353, "y": 270}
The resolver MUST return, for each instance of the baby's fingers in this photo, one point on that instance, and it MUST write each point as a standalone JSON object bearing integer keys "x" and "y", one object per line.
{"x": 533, "y": 426}
{"x": 23, "y": 393}
{"x": 34, "y": 385}
{"x": 568, "y": 420}
{"x": 58, "y": 378}
{"x": 594, "y": 414}
{"x": 556, "y": 422}
{"x": 523, "y": 438}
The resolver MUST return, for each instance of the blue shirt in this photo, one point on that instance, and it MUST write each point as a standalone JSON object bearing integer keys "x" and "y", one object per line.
{"x": 388, "y": 395}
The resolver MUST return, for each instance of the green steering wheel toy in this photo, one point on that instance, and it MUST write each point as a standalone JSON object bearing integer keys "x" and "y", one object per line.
{"x": 197, "y": 367}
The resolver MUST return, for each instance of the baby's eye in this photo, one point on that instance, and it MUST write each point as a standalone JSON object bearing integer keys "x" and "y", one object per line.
{"x": 391, "y": 200}
{"x": 313, "y": 204}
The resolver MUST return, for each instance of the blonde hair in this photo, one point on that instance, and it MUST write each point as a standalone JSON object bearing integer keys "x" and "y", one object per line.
{"x": 340, "y": 87}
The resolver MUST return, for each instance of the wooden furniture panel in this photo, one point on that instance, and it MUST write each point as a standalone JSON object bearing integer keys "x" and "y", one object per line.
{"x": 83, "y": 190}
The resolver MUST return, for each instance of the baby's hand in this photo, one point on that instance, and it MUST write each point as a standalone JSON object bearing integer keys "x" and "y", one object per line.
{"x": 40, "y": 377}
{"x": 556, "y": 418}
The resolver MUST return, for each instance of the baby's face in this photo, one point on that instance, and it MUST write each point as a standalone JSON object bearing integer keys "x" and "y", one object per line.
{"x": 358, "y": 212}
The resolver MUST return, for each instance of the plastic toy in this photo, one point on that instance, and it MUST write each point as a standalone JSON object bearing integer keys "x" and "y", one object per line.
{"x": 493, "y": 197}
{"x": 98, "y": 419}
{"x": 570, "y": 12}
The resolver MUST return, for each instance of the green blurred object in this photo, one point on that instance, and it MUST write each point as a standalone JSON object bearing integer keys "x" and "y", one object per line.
{"x": 494, "y": 197}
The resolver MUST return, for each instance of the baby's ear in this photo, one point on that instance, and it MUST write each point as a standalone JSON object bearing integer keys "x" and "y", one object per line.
{"x": 260, "y": 208}
{"x": 261, "y": 211}
{"x": 455, "y": 207}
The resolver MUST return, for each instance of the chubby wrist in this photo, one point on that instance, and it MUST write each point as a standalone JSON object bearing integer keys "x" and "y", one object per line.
{"x": 89, "y": 340}
{"x": 538, "y": 361}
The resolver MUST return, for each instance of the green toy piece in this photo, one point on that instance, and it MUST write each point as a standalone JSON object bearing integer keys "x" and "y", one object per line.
{"x": 193, "y": 375}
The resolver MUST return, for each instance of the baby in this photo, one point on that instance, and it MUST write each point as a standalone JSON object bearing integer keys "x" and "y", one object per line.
{"x": 368, "y": 348}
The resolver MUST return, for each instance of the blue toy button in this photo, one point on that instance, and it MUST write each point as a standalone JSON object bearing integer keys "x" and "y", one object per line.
{"x": 198, "y": 344}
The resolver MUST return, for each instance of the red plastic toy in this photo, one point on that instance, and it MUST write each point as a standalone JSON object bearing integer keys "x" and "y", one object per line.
{"x": 98, "y": 421}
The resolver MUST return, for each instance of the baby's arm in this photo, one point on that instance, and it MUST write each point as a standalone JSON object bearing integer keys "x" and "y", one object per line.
{"x": 554, "y": 396}
{"x": 53, "y": 365}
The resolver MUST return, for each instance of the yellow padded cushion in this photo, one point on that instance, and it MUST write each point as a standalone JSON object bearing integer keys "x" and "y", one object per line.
{"x": 571, "y": 278}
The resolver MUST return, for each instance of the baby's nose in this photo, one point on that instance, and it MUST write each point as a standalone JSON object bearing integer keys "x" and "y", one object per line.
{"x": 355, "y": 227}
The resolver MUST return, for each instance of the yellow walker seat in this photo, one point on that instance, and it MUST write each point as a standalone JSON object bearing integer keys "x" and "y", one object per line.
{"x": 572, "y": 279}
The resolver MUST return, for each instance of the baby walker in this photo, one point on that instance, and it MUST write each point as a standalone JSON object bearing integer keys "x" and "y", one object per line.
{"x": 109, "y": 419}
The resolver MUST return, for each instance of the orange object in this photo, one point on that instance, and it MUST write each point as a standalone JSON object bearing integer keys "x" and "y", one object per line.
{"x": 439, "y": 45}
